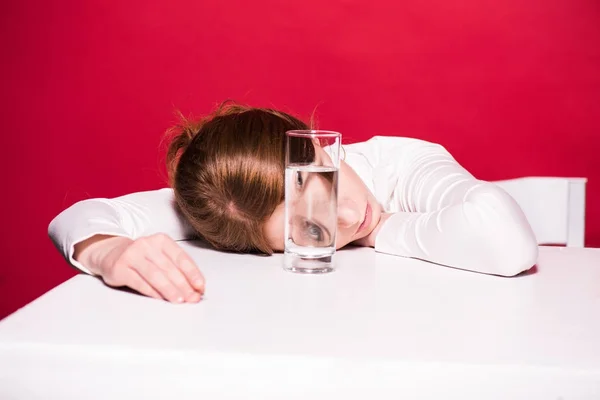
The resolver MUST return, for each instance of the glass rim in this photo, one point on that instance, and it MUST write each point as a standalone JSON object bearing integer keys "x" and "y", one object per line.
{"x": 313, "y": 133}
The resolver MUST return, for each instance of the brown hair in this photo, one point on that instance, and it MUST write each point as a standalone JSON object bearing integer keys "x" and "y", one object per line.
{"x": 227, "y": 172}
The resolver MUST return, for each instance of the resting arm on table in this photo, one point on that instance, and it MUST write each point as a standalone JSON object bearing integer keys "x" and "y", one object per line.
{"x": 130, "y": 241}
{"x": 441, "y": 213}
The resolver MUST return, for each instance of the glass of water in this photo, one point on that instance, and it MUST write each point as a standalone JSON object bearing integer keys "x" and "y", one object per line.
{"x": 311, "y": 189}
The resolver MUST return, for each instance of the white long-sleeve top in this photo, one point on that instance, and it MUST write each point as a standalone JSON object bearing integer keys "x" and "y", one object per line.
{"x": 442, "y": 214}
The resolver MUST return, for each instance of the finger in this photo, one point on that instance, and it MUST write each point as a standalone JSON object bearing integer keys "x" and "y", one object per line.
{"x": 185, "y": 264}
{"x": 159, "y": 281}
{"x": 124, "y": 275}
{"x": 135, "y": 281}
{"x": 196, "y": 297}
{"x": 172, "y": 272}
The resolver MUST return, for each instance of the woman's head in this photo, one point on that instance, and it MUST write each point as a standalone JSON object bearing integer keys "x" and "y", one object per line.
{"x": 227, "y": 171}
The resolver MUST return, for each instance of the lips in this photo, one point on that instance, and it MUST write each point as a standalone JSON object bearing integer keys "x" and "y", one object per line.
{"x": 367, "y": 220}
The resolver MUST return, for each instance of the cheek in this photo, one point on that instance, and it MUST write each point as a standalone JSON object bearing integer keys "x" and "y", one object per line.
{"x": 350, "y": 184}
{"x": 342, "y": 239}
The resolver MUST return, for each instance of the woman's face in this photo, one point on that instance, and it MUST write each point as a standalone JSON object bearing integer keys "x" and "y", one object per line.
{"x": 358, "y": 210}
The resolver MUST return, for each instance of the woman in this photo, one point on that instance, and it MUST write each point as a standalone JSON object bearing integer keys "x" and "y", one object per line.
{"x": 401, "y": 196}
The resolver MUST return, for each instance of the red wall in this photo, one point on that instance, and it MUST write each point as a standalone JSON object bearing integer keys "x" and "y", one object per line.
{"x": 511, "y": 88}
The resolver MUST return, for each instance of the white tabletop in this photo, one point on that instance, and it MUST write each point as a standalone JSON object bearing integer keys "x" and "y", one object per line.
{"x": 381, "y": 326}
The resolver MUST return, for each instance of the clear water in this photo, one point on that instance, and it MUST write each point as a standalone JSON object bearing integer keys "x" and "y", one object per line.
{"x": 311, "y": 211}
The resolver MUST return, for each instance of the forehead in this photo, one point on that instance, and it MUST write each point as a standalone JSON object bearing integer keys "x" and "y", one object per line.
{"x": 274, "y": 228}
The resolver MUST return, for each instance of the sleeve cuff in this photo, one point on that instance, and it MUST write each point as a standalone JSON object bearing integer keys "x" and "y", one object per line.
{"x": 392, "y": 238}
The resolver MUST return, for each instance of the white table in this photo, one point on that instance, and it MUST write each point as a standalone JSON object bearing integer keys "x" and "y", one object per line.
{"x": 379, "y": 327}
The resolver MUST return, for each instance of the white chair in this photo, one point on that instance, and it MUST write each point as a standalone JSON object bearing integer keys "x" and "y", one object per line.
{"x": 555, "y": 207}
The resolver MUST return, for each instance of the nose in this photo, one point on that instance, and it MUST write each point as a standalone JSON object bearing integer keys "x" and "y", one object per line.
{"x": 348, "y": 214}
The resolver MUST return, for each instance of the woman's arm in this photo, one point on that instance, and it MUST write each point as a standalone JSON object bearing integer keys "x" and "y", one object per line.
{"x": 131, "y": 216}
{"x": 442, "y": 214}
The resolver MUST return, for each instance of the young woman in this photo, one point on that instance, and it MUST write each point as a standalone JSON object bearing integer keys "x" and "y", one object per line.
{"x": 402, "y": 196}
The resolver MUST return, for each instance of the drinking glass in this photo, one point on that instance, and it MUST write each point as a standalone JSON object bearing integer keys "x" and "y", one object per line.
{"x": 311, "y": 188}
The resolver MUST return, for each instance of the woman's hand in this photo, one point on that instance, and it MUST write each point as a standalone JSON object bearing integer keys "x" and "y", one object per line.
{"x": 369, "y": 240}
{"x": 154, "y": 265}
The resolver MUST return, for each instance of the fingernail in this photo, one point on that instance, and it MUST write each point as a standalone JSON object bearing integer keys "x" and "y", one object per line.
{"x": 199, "y": 283}
{"x": 194, "y": 298}
{"x": 180, "y": 299}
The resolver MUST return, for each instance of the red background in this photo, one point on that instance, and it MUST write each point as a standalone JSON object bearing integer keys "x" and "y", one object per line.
{"x": 511, "y": 88}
